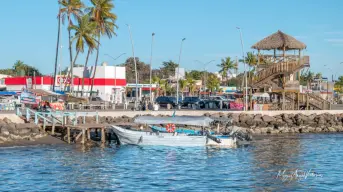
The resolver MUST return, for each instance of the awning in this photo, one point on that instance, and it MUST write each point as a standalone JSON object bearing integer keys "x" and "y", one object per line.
{"x": 7, "y": 93}
{"x": 179, "y": 120}
{"x": 42, "y": 92}
{"x": 260, "y": 95}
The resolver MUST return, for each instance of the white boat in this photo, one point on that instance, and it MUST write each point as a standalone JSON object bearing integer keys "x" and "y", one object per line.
{"x": 132, "y": 137}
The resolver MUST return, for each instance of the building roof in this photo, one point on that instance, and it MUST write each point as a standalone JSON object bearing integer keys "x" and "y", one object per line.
{"x": 279, "y": 40}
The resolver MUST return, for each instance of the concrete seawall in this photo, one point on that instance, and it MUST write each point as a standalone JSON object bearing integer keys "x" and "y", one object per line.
{"x": 202, "y": 112}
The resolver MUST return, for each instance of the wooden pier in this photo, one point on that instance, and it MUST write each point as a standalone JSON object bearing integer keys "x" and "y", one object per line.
{"x": 70, "y": 126}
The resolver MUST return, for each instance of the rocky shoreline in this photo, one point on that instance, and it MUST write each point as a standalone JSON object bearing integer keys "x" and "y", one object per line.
{"x": 13, "y": 132}
{"x": 261, "y": 124}
{"x": 254, "y": 124}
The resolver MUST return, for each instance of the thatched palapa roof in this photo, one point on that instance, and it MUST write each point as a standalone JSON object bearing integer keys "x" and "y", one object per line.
{"x": 279, "y": 40}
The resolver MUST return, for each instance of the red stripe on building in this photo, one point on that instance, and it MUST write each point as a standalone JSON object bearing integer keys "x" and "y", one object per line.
{"x": 77, "y": 81}
{"x": 148, "y": 88}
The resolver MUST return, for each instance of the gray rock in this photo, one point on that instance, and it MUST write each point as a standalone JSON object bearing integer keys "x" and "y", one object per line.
{"x": 331, "y": 129}
{"x": 24, "y": 131}
{"x": 318, "y": 130}
{"x": 267, "y": 118}
{"x": 263, "y": 130}
{"x": 235, "y": 117}
{"x": 7, "y": 120}
{"x": 4, "y": 139}
{"x": 4, "y": 131}
{"x": 12, "y": 129}
{"x": 303, "y": 130}
{"x": 258, "y": 118}
{"x": 257, "y": 131}
{"x": 35, "y": 130}
{"x": 109, "y": 119}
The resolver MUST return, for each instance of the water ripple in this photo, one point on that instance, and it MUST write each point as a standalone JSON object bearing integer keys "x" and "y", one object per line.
{"x": 269, "y": 164}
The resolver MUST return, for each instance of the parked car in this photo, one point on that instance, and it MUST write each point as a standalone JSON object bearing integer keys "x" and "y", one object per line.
{"x": 98, "y": 101}
{"x": 193, "y": 100}
{"x": 219, "y": 99}
{"x": 164, "y": 101}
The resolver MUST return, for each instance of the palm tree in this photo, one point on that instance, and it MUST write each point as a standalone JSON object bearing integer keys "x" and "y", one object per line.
{"x": 183, "y": 84}
{"x": 84, "y": 33}
{"x": 20, "y": 68}
{"x": 309, "y": 78}
{"x": 105, "y": 20}
{"x": 250, "y": 60}
{"x": 70, "y": 8}
{"x": 213, "y": 82}
{"x": 191, "y": 85}
{"x": 226, "y": 66}
{"x": 319, "y": 75}
{"x": 156, "y": 80}
{"x": 57, "y": 47}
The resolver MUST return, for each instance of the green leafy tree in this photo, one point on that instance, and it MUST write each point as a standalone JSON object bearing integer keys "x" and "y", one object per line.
{"x": 339, "y": 84}
{"x": 22, "y": 69}
{"x": 101, "y": 13}
{"x": 168, "y": 68}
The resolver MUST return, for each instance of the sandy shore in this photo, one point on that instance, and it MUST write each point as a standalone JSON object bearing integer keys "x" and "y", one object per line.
{"x": 47, "y": 140}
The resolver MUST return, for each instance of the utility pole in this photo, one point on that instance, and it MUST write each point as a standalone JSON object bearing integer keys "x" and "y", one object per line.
{"x": 177, "y": 75}
{"x": 152, "y": 43}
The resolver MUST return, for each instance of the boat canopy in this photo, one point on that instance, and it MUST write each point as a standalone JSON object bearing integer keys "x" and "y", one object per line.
{"x": 179, "y": 120}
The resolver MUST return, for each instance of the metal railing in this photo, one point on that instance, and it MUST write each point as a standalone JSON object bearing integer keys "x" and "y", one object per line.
{"x": 55, "y": 117}
{"x": 282, "y": 66}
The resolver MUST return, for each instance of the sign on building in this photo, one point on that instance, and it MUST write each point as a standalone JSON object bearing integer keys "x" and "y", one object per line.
{"x": 182, "y": 73}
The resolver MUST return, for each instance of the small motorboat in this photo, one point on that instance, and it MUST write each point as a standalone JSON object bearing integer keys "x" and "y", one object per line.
{"x": 171, "y": 137}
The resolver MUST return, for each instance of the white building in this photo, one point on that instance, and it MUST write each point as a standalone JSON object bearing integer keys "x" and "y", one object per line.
{"x": 109, "y": 82}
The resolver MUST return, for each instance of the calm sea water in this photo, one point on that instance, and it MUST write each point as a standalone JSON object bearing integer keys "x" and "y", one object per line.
{"x": 288, "y": 163}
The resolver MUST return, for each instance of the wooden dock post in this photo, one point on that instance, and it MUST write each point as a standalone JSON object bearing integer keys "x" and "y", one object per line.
{"x": 103, "y": 136}
{"x": 44, "y": 124}
{"x": 218, "y": 128}
{"x": 283, "y": 100}
{"x": 89, "y": 133}
{"x": 68, "y": 134}
{"x": 83, "y": 136}
{"x": 298, "y": 101}
{"x": 53, "y": 128}
{"x": 307, "y": 102}
{"x": 97, "y": 118}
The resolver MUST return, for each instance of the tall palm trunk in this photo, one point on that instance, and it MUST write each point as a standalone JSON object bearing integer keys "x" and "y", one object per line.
{"x": 71, "y": 73}
{"x": 57, "y": 46}
{"x": 84, "y": 71}
{"x": 96, "y": 64}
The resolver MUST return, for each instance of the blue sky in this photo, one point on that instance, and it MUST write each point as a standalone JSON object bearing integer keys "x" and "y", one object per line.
{"x": 29, "y": 30}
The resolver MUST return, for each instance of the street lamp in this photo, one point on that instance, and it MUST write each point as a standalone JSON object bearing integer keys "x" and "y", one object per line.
{"x": 115, "y": 73}
{"x": 177, "y": 75}
{"x": 152, "y": 42}
{"x": 205, "y": 75}
{"x": 134, "y": 60}
{"x": 245, "y": 73}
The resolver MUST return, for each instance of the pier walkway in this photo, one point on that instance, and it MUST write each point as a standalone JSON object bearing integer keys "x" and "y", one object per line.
{"x": 71, "y": 126}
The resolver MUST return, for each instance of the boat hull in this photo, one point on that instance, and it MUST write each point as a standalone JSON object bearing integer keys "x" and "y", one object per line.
{"x": 131, "y": 137}
{"x": 126, "y": 136}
